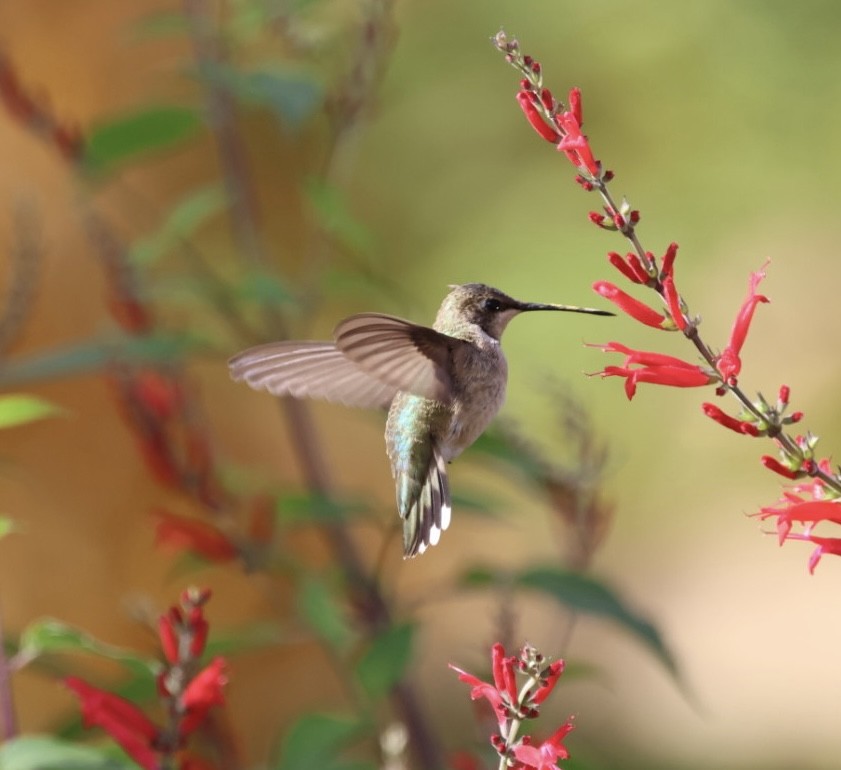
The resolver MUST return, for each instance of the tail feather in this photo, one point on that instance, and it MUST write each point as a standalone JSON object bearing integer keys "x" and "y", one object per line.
{"x": 427, "y": 512}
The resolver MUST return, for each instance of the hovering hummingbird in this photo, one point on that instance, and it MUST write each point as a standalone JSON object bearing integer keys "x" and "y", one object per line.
{"x": 442, "y": 386}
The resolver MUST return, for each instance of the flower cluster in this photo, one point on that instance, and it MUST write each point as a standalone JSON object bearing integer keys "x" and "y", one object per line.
{"x": 813, "y": 501}
{"x": 514, "y": 702}
{"x": 187, "y": 691}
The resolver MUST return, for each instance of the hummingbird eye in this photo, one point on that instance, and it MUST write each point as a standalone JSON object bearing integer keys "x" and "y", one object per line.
{"x": 492, "y": 305}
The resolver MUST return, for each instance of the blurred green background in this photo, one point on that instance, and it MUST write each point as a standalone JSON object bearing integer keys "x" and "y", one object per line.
{"x": 721, "y": 122}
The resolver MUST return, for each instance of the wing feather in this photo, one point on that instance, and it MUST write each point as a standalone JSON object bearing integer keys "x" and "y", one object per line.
{"x": 310, "y": 370}
{"x": 413, "y": 358}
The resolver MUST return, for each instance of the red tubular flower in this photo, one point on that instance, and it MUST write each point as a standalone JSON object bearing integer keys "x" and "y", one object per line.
{"x": 808, "y": 512}
{"x": 633, "y": 307}
{"x": 575, "y": 106}
{"x": 574, "y": 144}
{"x": 772, "y": 464}
{"x": 667, "y": 268}
{"x": 525, "y": 99}
{"x": 545, "y": 756}
{"x": 673, "y": 301}
{"x": 482, "y": 689}
{"x": 203, "y": 692}
{"x": 676, "y": 376}
{"x": 630, "y": 266}
{"x": 739, "y": 426}
{"x": 195, "y": 536}
{"x": 729, "y": 363}
{"x": 503, "y": 673}
{"x": 120, "y": 718}
{"x": 169, "y": 626}
{"x": 556, "y": 668}
{"x": 831, "y": 545}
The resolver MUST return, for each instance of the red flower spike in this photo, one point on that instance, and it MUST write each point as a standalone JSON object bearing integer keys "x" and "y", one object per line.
{"x": 772, "y": 464}
{"x": 673, "y": 301}
{"x": 633, "y": 307}
{"x": 729, "y": 363}
{"x": 552, "y": 675}
{"x": 575, "y": 106}
{"x": 193, "y": 535}
{"x": 199, "y": 627}
{"x": 120, "y": 718}
{"x": 738, "y": 426}
{"x": 669, "y": 260}
{"x": 535, "y": 118}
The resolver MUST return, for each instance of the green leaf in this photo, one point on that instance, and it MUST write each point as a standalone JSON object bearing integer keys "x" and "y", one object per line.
{"x": 334, "y": 216}
{"x": 315, "y": 508}
{"x": 187, "y": 215}
{"x": 384, "y": 663}
{"x": 94, "y": 355}
{"x": 315, "y": 740}
{"x": 149, "y": 130}
{"x": 292, "y": 96}
{"x": 496, "y": 444}
{"x": 45, "y": 752}
{"x": 20, "y": 409}
{"x": 7, "y": 526}
{"x": 250, "y": 637}
{"x": 323, "y": 613}
{"x": 263, "y": 288}
{"x": 48, "y": 635}
{"x": 584, "y": 594}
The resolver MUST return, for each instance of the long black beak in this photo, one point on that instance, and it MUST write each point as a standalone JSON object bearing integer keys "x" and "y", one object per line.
{"x": 526, "y": 306}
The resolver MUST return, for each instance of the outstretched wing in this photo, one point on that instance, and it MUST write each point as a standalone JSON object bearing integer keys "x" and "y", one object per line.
{"x": 311, "y": 370}
{"x": 413, "y": 358}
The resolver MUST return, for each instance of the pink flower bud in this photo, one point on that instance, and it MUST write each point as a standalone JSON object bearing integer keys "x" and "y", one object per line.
{"x": 772, "y": 464}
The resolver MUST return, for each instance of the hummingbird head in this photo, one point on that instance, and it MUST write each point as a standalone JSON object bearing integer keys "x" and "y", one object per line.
{"x": 490, "y": 309}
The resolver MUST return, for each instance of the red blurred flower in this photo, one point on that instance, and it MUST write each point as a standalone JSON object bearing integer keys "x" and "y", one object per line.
{"x": 485, "y": 690}
{"x": 729, "y": 363}
{"x": 546, "y": 755}
{"x": 120, "y": 718}
{"x": 553, "y": 673}
{"x": 808, "y": 512}
{"x": 633, "y": 307}
{"x": 831, "y": 545}
{"x": 202, "y": 693}
{"x": 192, "y": 535}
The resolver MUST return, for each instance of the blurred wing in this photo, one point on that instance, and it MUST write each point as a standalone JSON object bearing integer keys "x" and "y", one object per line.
{"x": 412, "y": 358}
{"x": 310, "y": 370}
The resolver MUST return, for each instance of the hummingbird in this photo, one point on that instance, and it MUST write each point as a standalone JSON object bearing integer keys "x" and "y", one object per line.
{"x": 442, "y": 386}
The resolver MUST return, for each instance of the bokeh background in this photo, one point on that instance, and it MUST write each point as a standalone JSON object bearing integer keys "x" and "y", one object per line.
{"x": 721, "y": 122}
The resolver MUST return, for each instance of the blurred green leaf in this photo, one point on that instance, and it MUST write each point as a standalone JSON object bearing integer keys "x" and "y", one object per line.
{"x": 315, "y": 740}
{"x": 93, "y": 355}
{"x": 334, "y": 217}
{"x": 161, "y": 24}
{"x": 45, "y": 752}
{"x": 264, "y": 288}
{"x": 315, "y": 508}
{"x": 48, "y": 635}
{"x": 149, "y": 130}
{"x": 385, "y": 661}
{"x": 183, "y": 220}
{"x": 584, "y": 594}
{"x": 7, "y": 526}
{"x": 244, "y": 639}
{"x": 20, "y": 409}
{"x": 323, "y": 613}
{"x": 496, "y": 444}
{"x": 293, "y": 96}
